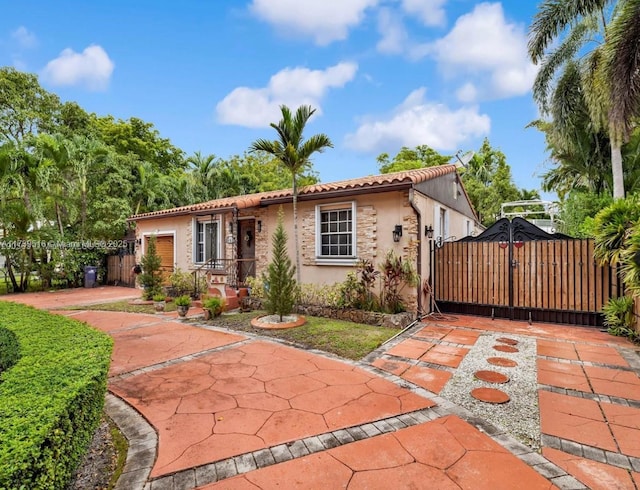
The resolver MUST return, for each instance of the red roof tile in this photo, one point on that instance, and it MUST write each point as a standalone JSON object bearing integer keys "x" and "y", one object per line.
{"x": 408, "y": 177}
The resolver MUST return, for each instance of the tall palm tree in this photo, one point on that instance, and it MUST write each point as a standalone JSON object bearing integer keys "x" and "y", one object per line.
{"x": 586, "y": 21}
{"x": 623, "y": 65}
{"x": 294, "y": 154}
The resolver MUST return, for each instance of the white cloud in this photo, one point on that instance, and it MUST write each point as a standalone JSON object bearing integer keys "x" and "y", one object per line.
{"x": 325, "y": 21}
{"x": 394, "y": 36}
{"x": 417, "y": 121}
{"x": 25, "y": 38}
{"x": 92, "y": 68}
{"x": 484, "y": 43}
{"x": 430, "y": 12}
{"x": 467, "y": 93}
{"x": 257, "y": 107}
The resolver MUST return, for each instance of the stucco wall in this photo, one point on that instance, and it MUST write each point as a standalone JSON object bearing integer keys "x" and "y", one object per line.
{"x": 376, "y": 216}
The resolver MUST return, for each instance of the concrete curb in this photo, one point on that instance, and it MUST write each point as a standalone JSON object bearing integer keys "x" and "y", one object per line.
{"x": 143, "y": 443}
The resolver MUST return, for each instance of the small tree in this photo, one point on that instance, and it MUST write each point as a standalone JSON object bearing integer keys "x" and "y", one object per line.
{"x": 151, "y": 276}
{"x": 280, "y": 284}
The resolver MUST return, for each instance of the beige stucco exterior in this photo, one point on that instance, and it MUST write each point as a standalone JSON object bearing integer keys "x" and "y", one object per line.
{"x": 376, "y": 213}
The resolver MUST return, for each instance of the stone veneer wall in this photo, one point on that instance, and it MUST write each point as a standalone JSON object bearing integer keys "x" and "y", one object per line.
{"x": 188, "y": 244}
{"x": 262, "y": 241}
{"x": 367, "y": 226}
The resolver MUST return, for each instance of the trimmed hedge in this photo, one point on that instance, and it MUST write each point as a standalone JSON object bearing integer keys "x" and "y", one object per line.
{"x": 51, "y": 400}
{"x": 9, "y": 349}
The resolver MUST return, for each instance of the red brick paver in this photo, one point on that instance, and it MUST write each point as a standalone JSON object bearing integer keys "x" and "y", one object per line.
{"x": 593, "y": 474}
{"x": 255, "y": 396}
{"x": 445, "y": 454}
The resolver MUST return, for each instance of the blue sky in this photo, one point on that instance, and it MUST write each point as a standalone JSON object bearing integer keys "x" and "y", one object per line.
{"x": 210, "y": 75}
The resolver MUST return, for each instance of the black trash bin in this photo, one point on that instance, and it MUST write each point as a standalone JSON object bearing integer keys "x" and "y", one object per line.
{"x": 90, "y": 276}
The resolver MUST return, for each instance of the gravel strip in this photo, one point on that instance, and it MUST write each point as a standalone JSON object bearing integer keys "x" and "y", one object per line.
{"x": 519, "y": 417}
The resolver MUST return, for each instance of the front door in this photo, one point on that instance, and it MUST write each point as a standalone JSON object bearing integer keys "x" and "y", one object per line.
{"x": 246, "y": 250}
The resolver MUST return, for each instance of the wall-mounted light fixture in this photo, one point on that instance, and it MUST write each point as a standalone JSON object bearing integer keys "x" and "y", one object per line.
{"x": 428, "y": 231}
{"x": 259, "y": 226}
{"x": 231, "y": 227}
{"x": 397, "y": 233}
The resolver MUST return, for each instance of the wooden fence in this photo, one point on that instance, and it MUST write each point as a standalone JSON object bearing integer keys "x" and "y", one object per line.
{"x": 119, "y": 270}
{"x": 546, "y": 280}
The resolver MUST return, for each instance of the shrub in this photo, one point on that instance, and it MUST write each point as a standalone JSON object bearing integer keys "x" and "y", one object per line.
{"x": 257, "y": 287}
{"x": 151, "y": 276}
{"x": 51, "y": 400}
{"x": 183, "y": 300}
{"x": 329, "y": 295}
{"x": 215, "y": 304}
{"x": 619, "y": 317}
{"x": 9, "y": 349}
{"x": 396, "y": 274}
{"x": 182, "y": 282}
{"x": 158, "y": 297}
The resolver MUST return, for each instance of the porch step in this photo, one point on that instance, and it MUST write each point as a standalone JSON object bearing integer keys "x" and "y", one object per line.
{"x": 231, "y": 297}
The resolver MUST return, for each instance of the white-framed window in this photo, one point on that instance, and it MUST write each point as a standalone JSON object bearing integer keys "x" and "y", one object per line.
{"x": 207, "y": 240}
{"x": 336, "y": 231}
{"x": 441, "y": 220}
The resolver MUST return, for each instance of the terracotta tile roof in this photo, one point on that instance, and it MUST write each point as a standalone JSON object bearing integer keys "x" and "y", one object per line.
{"x": 403, "y": 179}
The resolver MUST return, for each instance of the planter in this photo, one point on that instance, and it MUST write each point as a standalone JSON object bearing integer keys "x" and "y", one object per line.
{"x": 182, "y": 310}
{"x": 272, "y": 322}
{"x": 159, "y": 306}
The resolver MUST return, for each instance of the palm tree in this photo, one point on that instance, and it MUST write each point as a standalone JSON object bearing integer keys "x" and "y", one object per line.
{"x": 293, "y": 153}
{"x": 622, "y": 64}
{"x": 586, "y": 21}
{"x": 203, "y": 168}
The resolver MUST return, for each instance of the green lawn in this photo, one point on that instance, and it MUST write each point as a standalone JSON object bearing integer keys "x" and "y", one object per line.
{"x": 122, "y": 306}
{"x": 345, "y": 339}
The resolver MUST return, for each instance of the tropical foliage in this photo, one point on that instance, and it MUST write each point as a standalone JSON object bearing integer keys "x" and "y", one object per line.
{"x": 588, "y": 90}
{"x": 294, "y": 153}
{"x": 487, "y": 176}
{"x": 69, "y": 180}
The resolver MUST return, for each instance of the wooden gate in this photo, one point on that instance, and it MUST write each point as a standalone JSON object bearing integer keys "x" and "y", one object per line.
{"x": 119, "y": 270}
{"x": 516, "y": 270}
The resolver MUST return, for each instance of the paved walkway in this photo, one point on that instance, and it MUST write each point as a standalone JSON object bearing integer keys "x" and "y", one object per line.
{"x": 215, "y": 409}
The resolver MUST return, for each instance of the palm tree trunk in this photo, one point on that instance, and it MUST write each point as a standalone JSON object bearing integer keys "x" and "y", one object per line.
{"x": 295, "y": 227}
{"x": 616, "y": 169}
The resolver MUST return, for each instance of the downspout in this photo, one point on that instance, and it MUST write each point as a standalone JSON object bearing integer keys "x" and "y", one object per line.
{"x": 419, "y": 256}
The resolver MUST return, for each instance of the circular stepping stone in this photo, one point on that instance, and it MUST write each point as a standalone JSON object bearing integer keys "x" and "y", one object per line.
{"x": 502, "y": 361}
{"x": 507, "y": 341}
{"x": 491, "y": 376}
{"x": 505, "y": 348}
{"x": 490, "y": 395}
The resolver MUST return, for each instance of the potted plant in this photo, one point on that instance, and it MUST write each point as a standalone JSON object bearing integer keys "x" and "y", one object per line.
{"x": 213, "y": 306}
{"x": 183, "y": 303}
{"x": 159, "y": 302}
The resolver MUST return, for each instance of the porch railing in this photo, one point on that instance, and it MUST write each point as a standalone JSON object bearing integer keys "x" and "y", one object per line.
{"x": 235, "y": 270}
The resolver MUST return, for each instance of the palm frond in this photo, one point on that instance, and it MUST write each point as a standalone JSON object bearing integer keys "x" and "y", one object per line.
{"x": 553, "y": 17}
{"x": 552, "y": 63}
{"x": 623, "y": 60}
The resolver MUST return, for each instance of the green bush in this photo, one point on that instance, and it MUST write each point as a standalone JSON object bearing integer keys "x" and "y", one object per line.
{"x": 51, "y": 400}
{"x": 182, "y": 282}
{"x": 619, "y": 317}
{"x": 9, "y": 349}
{"x": 215, "y": 304}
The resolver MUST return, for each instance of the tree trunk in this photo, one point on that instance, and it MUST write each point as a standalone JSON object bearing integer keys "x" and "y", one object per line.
{"x": 295, "y": 228}
{"x": 616, "y": 168}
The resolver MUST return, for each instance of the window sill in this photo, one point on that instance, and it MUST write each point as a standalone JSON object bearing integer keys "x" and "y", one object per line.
{"x": 347, "y": 262}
